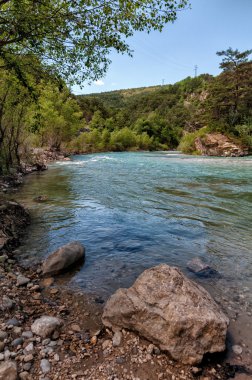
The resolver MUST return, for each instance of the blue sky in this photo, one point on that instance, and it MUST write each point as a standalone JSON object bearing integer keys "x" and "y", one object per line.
{"x": 210, "y": 25}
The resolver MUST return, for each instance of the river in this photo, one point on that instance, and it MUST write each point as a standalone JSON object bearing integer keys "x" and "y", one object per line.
{"x": 136, "y": 210}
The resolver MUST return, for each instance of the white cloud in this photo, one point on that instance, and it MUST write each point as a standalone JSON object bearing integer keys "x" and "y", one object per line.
{"x": 99, "y": 82}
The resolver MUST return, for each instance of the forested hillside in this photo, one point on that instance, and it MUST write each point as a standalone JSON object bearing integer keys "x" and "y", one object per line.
{"x": 165, "y": 117}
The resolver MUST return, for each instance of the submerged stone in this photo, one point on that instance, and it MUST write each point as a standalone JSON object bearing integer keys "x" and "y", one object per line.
{"x": 202, "y": 269}
{"x": 63, "y": 258}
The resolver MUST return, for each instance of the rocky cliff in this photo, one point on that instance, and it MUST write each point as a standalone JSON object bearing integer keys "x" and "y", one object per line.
{"x": 216, "y": 144}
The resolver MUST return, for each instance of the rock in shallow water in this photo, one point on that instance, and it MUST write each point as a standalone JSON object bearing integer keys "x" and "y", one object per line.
{"x": 172, "y": 312}
{"x": 63, "y": 258}
{"x": 201, "y": 269}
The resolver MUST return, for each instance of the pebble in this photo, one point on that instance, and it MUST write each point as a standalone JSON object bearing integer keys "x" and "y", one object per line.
{"x": 106, "y": 344}
{"x": 7, "y": 303}
{"x": 27, "y": 366}
{"x": 12, "y": 322}
{"x": 237, "y": 349}
{"x": 24, "y": 375}
{"x": 46, "y": 341}
{"x": 3, "y": 335}
{"x": 17, "y": 342}
{"x": 27, "y": 334}
{"x": 1, "y": 357}
{"x": 75, "y": 327}
{"x": 29, "y": 347}
{"x": 93, "y": 340}
{"x": 117, "y": 339}
{"x": 54, "y": 291}
{"x": 55, "y": 335}
{"x": 53, "y": 343}
{"x": 22, "y": 280}
{"x": 45, "y": 366}
{"x": 7, "y": 355}
{"x": 150, "y": 349}
{"x": 17, "y": 330}
{"x": 196, "y": 370}
{"x": 47, "y": 282}
{"x": 28, "y": 358}
{"x": 120, "y": 360}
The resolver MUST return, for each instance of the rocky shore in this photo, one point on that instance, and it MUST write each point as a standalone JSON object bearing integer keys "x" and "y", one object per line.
{"x": 48, "y": 332}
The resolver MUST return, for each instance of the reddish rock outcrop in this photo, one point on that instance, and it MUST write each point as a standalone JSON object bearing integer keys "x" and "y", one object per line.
{"x": 216, "y": 144}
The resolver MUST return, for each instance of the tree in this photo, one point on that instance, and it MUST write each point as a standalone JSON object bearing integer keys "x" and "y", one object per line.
{"x": 230, "y": 95}
{"x": 15, "y": 101}
{"x": 233, "y": 58}
{"x": 74, "y": 37}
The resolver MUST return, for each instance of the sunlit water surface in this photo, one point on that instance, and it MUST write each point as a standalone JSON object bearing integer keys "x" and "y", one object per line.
{"x": 136, "y": 210}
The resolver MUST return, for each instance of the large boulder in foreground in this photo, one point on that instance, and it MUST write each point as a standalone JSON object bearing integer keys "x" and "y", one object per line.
{"x": 172, "y": 312}
{"x": 63, "y": 258}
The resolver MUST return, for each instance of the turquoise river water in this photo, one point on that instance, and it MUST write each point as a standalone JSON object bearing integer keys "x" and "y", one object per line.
{"x": 136, "y": 210}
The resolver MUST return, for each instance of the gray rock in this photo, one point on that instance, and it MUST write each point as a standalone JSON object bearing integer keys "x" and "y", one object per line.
{"x": 120, "y": 360}
{"x": 6, "y": 304}
{"x": 172, "y": 312}
{"x": 27, "y": 366}
{"x": 46, "y": 341}
{"x": 13, "y": 322}
{"x": 63, "y": 258}
{"x": 117, "y": 339}
{"x": 1, "y": 357}
{"x": 22, "y": 280}
{"x": 27, "y": 334}
{"x": 7, "y": 355}
{"x": 17, "y": 342}
{"x": 237, "y": 349}
{"x": 45, "y": 326}
{"x": 45, "y": 366}
{"x": 3, "y": 335}
{"x": 8, "y": 370}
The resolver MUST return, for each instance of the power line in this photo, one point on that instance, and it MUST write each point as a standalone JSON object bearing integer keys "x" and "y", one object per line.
{"x": 195, "y": 71}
